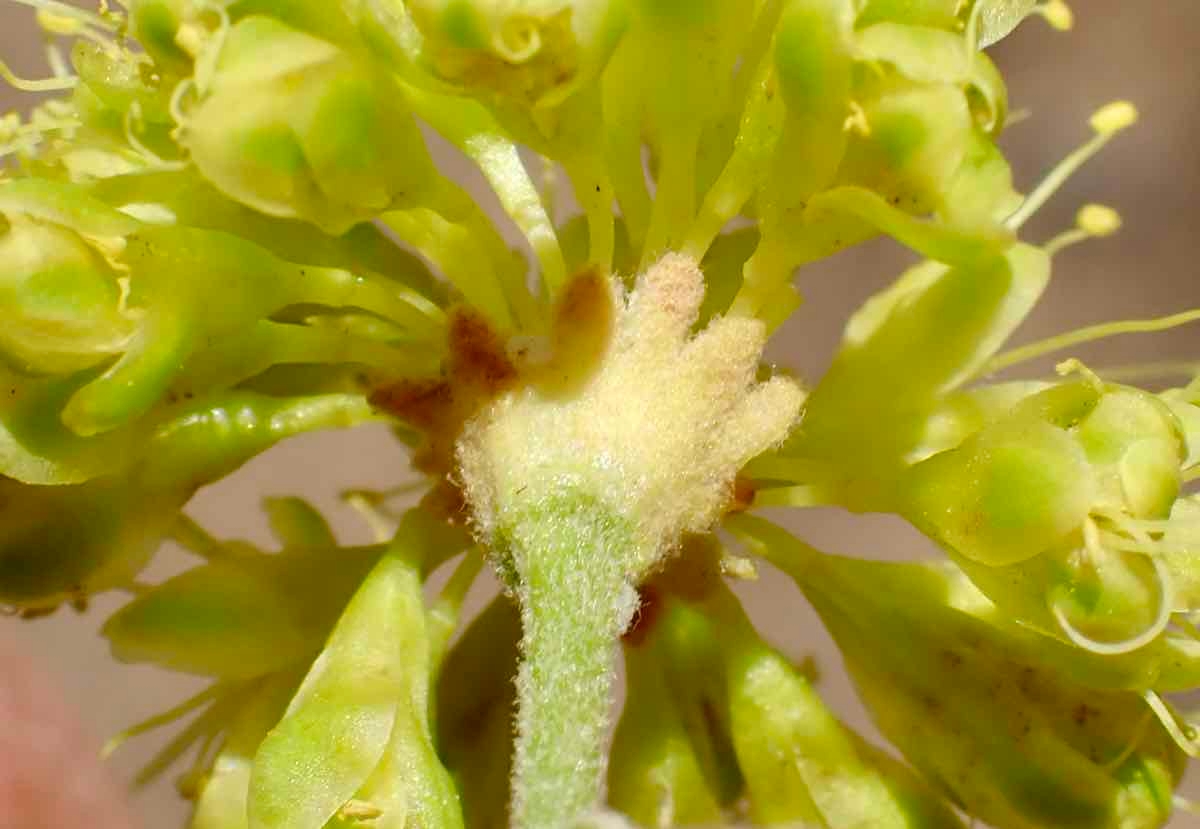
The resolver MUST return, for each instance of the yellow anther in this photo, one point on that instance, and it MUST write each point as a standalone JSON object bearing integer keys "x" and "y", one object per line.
{"x": 1058, "y": 14}
{"x": 1073, "y": 365}
{"x": 192, "y": 38}
{"x": 1098, "y": 220}
{"x": 58, "y": 24}
{"x": 1106, "y": 122}
{"x": 1114, "y": 117}
{"x": 738, "y": 567}
{"x": 857, "y": 121}
{"x": 358, "y": 810}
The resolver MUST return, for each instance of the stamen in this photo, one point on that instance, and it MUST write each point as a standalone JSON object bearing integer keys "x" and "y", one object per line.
{"x": 42, "y": 85}
{"x": 65, "y": 10}
{"x": 1188, "y": 627}
{"x": 1056, "y": 13}
{"x": 1086, "y": 335}
{"x": 176, "y": 107}
{"x": 1091, "y": 540}
{"x": 1106, "y": 122}
{"x": 1131, "y": 746}
{"x": 205, "y": 726}
{"x": 1093, "y": 221}
{"x": 1125, "y": 544}
{"x": 972, "y": 31}
{"x": 737, "y": 567}
{"x": 379, "y": 498}
{"x": 205, "y": 66}
{"x": 165, "y": 718}
{"x": 131, "y": 122}
{"x": 1140, "y": 640}
{"x": 28, "y": 136}
{"x": 1017, "y": 116}
{"x": 60, "y": 67}
{"x": 793, "y": 496}
{"x": 359, "y": 811}
{"x": 381, "y": 529}
{"x": 444, "y": 612}
{"x": 188, "y": 784}
{"x": 1183, "y": 734}
{"x": 62, "y": 25}
{"x": 1183, "y": 804}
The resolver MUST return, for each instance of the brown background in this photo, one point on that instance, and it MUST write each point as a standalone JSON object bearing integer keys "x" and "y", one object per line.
{"x": 1143, "y": 51}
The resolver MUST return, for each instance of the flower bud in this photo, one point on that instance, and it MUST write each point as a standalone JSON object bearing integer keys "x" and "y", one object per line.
{"x": 787, "y": 741}
{"x": 174, "y": 345}
{"x": 1015, "y": 741}
{"x": 368, "y": 692}
{"x": 1047, "y": 510}
{"x": 531, "y": 52}
{"x": 293, "y": 126}
{"x": 65, "y": 542}
{"x": 121, "y": 81}
{"x": 932, "y": 57}
{"x": 719, "y": 714}
{"x": 903, "y": 124}
{"x": 62, "y": 296}
{"x": 175, "y": 33}
{"x": 913, "y": 141}
{"x": 1011, "y": 492}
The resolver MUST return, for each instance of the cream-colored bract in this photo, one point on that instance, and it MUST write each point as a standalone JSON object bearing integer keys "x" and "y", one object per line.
{"x": 658, "y": 432}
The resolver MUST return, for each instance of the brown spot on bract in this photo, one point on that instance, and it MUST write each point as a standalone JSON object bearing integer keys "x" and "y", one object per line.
{"x": 584, "y": 298}
{"x": 423, "y": 403}
{"x": 477, "y": 354}
{"x": 583, "y": 323}
{"x": 476, "y": 371}
{"x": 743, "y": 493}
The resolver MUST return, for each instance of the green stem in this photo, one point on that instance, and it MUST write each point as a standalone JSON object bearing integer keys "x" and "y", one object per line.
{"x": 567, "y": 555}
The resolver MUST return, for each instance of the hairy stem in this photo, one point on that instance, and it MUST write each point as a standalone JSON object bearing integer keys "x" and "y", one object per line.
{"x": 575, "y": 603}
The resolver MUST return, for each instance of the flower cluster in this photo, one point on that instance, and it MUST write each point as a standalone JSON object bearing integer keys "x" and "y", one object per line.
{"x": 225, "y": 227}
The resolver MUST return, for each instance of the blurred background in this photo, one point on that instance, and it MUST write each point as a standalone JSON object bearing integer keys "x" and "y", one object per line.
{"x": 1145, "y": 52}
